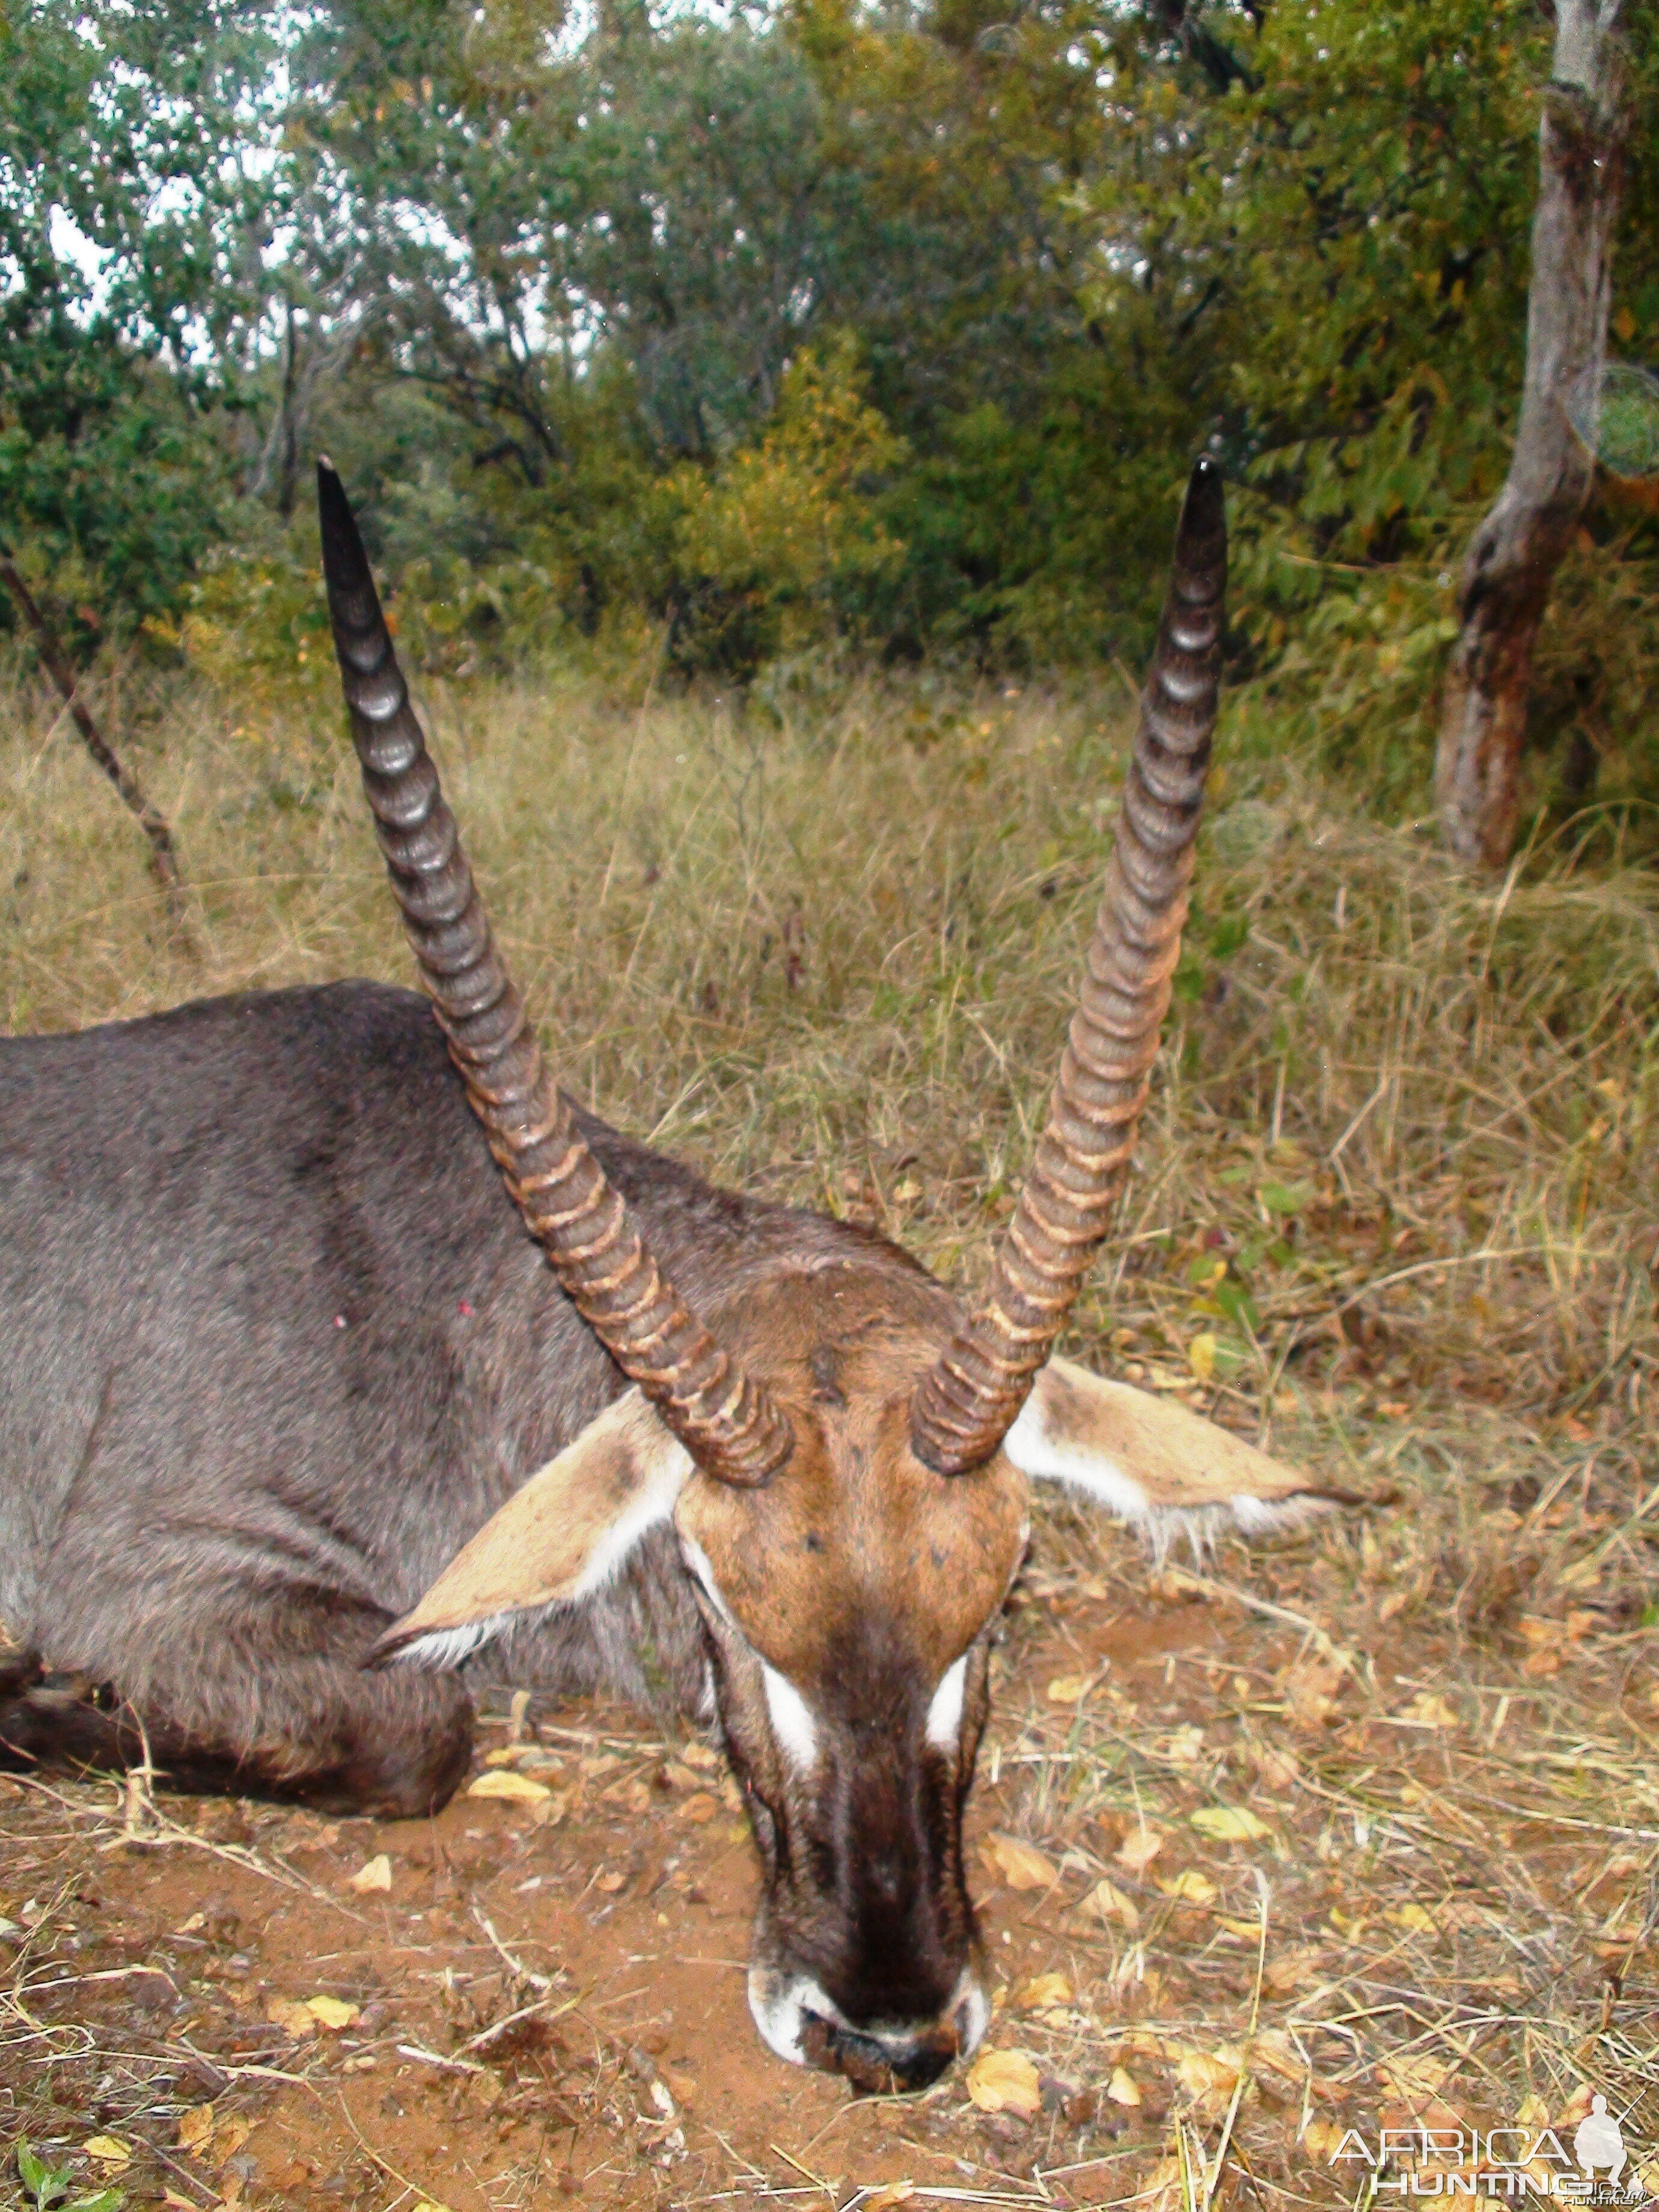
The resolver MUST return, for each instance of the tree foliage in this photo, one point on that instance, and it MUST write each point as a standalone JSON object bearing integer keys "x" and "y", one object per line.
{"x": 902, "y": 321}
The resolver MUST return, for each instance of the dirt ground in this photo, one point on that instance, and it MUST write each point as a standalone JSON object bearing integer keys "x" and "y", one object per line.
{"x": 1264, "y": 1854}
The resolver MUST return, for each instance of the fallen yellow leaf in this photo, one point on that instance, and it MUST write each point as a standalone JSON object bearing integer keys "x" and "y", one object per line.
{"x": 1277, "y": 1767}
{"x": 1184, "y": 1746}
{"x": 1415, "y": 2075}
{"x": 1043, "y": 1990}
{"x": 1200, "y": 1356}
{"x": 506, "y": 1781}
{"x": 1321, "y": 2139}
{"x": 1139, "y": 1848}
{"x": 1123, "y": 2089}
{"x": 195, "y": 2127}
{"x": 1005, "y": 2081}
{"x": 1162, "y": 2185}
{"x": 1066, "y": 1689}
{"x": 1310, "y": 1691}
{"x": 1021, "y": 1865}
{"x": 333, "y": 2013}
{"x": 1430, "y": 1710}
{"x": 702, "y": 1805}
{"x": 1274, "y": 2049}
{"x": 1107, "y": 1902}
{"x": 1189, "y": 1887}
{"x": 1229, "y": 1824}
{"x": 1413, "y": 1916}
{"x": 373, "y": 1873}
{"x": 295, "y": 2019}
{"x": 1290, "y": 1969}
{"x": 1206, "y": 2073}
{"x": 109, "y": 2150}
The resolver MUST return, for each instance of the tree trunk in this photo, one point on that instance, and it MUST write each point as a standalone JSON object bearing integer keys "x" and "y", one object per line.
{"x": 1513, "y": 555}
{"x": 287, "y": 466}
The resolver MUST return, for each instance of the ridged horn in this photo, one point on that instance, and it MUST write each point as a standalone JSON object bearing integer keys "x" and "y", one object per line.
{"x": 729, "y": 1425}
{"x": 963, "y": 1407}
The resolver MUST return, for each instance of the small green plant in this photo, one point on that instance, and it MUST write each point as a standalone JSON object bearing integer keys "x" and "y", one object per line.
{"x": 49, "y": 2187}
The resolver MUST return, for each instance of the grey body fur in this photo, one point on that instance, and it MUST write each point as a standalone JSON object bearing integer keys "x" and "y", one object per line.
{"x": 276, "y": 1343}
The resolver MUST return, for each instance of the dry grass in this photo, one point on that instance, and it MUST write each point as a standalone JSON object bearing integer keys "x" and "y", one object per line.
{"x": 1394, "y": 1210}
{"x": 833, "y": 962}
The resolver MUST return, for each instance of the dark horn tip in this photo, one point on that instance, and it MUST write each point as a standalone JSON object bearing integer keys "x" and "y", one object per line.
{"x": 1204, "y": 510}
{"x": 345, "y": 565}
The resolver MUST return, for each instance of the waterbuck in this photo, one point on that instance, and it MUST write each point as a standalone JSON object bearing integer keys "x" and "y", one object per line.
{"x": 291, "y": 1393}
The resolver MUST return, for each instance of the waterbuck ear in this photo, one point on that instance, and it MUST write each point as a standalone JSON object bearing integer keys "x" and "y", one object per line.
{"x": 559, "y": 1538}
{"x": 1154, "y": 1462}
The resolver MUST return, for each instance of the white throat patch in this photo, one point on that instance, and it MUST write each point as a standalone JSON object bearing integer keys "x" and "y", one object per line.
{"x": 696, "y": 1561}
{"x": 793, "y": 1724}
{"x": 944, "y": 1713}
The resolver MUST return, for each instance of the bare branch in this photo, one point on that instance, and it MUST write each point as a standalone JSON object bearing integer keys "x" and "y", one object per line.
{"x": 163, "y": 859}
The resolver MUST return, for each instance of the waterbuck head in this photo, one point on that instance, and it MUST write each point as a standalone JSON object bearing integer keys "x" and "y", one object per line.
{"x": 843, "y": 1450}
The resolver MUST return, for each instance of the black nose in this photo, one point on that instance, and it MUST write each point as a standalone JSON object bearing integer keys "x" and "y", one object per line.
{"x": 881, "y": 2064}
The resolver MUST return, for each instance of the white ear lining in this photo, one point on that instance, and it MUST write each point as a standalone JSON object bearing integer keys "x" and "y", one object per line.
{"x": 444, "y": 1649}
{"x": 654, "y": 1504}
{"x": 666, "y": 1466}
{"x": 1044, "y": 1457}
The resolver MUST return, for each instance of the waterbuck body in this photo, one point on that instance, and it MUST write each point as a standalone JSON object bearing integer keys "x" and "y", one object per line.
{"x": 297, "y": 1415}
{"x": 275, "y": 1345}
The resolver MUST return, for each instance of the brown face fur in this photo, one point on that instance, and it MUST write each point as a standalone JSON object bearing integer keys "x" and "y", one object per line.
{"x": 856, "y": 1802}
{"x": 848, "y": 1607}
